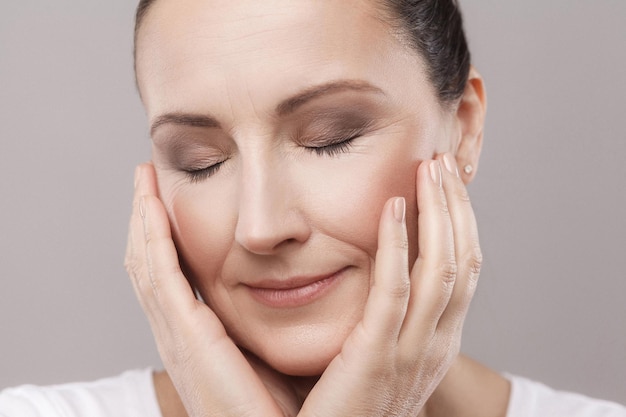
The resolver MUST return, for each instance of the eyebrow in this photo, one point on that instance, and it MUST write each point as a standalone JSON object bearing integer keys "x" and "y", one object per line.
{"x": 286, "y": 107}
{"x": 292, "y": 104}
{"x": 184, "y": 119}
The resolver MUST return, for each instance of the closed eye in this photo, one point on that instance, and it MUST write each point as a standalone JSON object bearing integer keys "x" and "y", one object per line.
{"x": 335, "y": 147}
{"x": 198, "y": 175}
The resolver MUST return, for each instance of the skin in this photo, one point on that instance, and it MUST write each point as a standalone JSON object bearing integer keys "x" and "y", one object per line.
{"x": 252, "y": 87}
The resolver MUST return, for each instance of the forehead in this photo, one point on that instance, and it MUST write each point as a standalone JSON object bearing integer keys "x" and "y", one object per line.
{"x": 258, "y": 49}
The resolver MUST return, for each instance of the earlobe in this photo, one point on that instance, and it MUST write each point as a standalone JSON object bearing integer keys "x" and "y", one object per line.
{"x": 470, "y": 116}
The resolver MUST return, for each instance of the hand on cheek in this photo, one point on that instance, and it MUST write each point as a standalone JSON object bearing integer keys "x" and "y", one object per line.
{"x": 210, "y": 373}
{"x": 391, "y": 362}
{"x": 411, "y": 330}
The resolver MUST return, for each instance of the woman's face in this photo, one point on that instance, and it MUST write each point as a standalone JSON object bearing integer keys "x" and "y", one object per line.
{"x": 280, "y": 129}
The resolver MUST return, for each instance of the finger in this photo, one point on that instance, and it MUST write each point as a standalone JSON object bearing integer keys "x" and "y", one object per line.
{"x": 170, "y": 288}
{"x": 184, "y": 328}
{"x": 368, "y": 349}
{"x": 466, "y": 245}
{"x": 434, "y": 273}
{"x": 135, "y": 260}
{"x": 149, "y": 222}
{"x": 168, "y": 284}
{"x": 388, "y": 299}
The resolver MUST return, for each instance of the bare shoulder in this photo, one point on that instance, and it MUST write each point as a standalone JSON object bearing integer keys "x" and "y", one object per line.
{"x": 470, "y": 389}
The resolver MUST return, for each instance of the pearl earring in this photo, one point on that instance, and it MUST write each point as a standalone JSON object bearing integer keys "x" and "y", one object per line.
{"x": 468, "y": 169}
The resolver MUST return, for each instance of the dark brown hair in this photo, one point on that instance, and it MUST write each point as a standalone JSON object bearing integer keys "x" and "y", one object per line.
{"x": 434, "y": 28}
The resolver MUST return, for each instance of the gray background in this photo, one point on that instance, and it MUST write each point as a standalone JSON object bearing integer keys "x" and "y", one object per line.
{"x": 549, "y": 196}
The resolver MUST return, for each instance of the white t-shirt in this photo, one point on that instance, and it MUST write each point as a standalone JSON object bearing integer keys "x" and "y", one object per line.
{"x": 132, "y": 395}
{"x": 532, "y": 399}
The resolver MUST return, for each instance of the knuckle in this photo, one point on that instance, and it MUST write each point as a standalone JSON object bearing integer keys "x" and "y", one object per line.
{"x": 400, "y": 290}
{"x": 148, "y": 237}
{"x": 474, "y": 261}
{"x": 132, "y": 267}
{"x": 444, "y": 209}
{"x": 144, "y": 287}
{"x": 401, "y": 242}
{"x": 154, "y": 246}
{"x": 463, "y": 195}
{"x": 448, "y": 271}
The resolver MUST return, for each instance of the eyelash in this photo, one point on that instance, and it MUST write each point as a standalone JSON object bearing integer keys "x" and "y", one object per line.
{"x": 198, "y": 175}
{"x": 334, "y": 149}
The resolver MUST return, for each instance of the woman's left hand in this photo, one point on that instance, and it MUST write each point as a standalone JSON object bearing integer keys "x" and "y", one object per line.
{"x": 410, "y": 333}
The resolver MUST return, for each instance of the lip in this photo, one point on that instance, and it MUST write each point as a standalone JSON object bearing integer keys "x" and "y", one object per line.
{"x": 293, "y": 292}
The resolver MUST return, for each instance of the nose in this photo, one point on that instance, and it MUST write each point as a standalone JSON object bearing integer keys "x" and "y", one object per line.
{"x": 270, "y": 217}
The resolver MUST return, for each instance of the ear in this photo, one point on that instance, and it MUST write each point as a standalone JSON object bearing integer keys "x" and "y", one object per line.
{"x": 470, "y": 117}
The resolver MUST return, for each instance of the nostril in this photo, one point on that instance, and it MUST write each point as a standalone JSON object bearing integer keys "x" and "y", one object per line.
{"x": 265, "y": 238}
{"x": 269, "y": 213}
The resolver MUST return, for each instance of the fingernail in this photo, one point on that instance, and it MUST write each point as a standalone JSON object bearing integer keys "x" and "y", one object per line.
{"x": 142, "y": 208}
{"x": 435, "y": 172}
{"x": 399, "y": 209}
{"x": 450, "y": 164}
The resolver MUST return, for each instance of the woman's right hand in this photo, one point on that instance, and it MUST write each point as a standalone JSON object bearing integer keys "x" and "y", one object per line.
{"x": 210, "y": 373}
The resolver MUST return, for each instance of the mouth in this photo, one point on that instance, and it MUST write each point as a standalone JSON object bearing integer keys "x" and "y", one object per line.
{"x": 293, "y": 292}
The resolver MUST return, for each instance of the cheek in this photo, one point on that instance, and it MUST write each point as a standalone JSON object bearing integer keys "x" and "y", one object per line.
{"x": 347, "y": 198}
{"x": 341, "y": 197}
{"x": 203, "y": 229}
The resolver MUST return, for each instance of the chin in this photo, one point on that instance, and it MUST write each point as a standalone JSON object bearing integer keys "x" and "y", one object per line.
{"x": 300, "y": 362}
{"x": 301, "y": 351}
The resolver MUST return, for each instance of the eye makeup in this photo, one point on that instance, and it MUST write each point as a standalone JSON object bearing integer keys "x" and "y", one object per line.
{"x": 197, "y": 152}
{"x": 198, "y": 175}
{"x": 325, "y": 128}
{"x": 331, "y": 131}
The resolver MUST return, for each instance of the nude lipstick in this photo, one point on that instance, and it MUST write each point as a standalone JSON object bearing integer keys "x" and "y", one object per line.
{"x": 293, "y": 292}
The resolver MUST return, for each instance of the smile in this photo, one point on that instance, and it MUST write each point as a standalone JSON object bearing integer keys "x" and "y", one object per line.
{"x": 294, "y": 292}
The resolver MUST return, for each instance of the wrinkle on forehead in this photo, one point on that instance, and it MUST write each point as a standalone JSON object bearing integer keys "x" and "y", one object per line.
{"x": 239, "y": 20}
{"x": 187, "y": 41}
